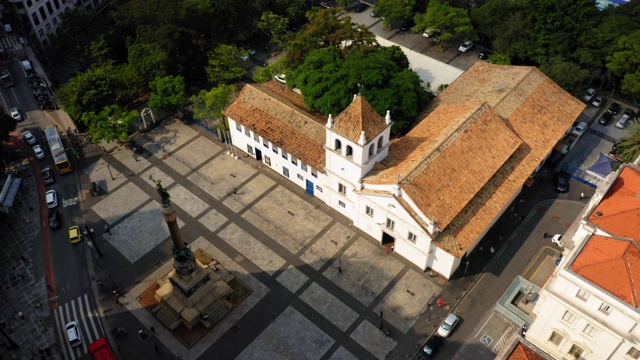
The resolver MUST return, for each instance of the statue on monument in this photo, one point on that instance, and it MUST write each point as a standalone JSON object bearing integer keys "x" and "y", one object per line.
{"x": 164, "y": 194}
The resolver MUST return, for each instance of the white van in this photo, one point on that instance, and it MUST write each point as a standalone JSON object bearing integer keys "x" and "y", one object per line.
{"x": 73, "y": 333}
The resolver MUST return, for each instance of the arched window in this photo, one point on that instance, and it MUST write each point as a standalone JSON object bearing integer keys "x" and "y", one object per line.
{"x": 349, "y": 151}
{"x": 371, "y": 150}
{"x": 338, "y": 145}
{"x": 380, "y": 141}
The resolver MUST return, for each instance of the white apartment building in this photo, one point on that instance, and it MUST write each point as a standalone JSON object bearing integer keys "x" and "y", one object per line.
{"x": 589, "y": 307}
{"x": 432, "y": 194}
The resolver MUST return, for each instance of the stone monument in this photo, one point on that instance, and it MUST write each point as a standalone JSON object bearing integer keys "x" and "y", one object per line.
{"x": 192, "y": 292}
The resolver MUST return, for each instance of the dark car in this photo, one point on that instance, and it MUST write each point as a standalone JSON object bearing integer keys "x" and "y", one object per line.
{"x": 614, "y": 108}
{"x": 47, "y": 175}
{"x": 54, "y": 219}
{"x": 431, "y": 347}
{"x": 561, "y": 184}
{"x": 605, "y": 119}
{"x": 360, "y": 7}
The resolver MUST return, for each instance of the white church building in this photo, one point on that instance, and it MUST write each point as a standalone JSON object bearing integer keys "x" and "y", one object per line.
{"x": 432, "y": 194}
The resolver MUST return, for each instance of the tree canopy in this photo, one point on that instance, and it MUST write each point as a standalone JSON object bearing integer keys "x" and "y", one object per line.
{"x": 452, "y": 22}
{"x": 395, "y": 11}
{"x": 167, "y": 93}
{"x": 209, "y": 104}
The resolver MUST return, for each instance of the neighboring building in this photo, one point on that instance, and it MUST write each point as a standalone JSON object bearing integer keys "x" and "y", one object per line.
{"x": 434, "y": 193}
{"x": 603, "y": 4}
{"x": 39, "y": 19}
{"x": 589, "y": 307}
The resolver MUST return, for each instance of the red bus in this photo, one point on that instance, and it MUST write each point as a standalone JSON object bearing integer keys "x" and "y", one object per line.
{"x": 100, "y": 350}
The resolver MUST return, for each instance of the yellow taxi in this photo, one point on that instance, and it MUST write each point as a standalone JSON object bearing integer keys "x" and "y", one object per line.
{"x": 74, "y": 234}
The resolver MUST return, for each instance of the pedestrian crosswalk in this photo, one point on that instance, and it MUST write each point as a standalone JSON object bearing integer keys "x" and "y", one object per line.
{"x": 83, "y": 312}
{"x": 8, "y": 42}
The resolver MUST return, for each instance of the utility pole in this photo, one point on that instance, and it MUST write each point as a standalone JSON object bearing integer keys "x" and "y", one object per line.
{"x": 92, "y": 236}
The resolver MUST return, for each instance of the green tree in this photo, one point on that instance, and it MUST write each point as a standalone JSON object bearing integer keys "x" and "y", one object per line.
{"x": 148, "y": 62}
{"x": 500, "y": 59}
{"x": 7, "y": 126}
{"x": 567, "y": 74}
{"x": 226, "y": 64}
{"x": 395, "y": 11}
{"x": 111, "y": 123}
{"x": 267, "y": 73}
{"x": 628, "y": 148}
{"x": 209, "y": 104}
{"x": 275, "y": 26}
{"x": 625, "y": 63}
{"x": 167, "y": 93}
{"x": 452, "y": 22}
{"x": 504, "y": 23}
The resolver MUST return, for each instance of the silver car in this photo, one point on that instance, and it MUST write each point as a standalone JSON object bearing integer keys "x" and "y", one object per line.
{"x": 448, "y": 325}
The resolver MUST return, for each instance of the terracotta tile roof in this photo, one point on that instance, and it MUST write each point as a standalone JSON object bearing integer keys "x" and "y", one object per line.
{"x": 278, "y": 114}
{"x": 612, "y": 264}
{"x": 359, "y": 116}
{"x": 522, "y": 352}
{"x": 619, "y": 211}
{"x": 530, "y": 105}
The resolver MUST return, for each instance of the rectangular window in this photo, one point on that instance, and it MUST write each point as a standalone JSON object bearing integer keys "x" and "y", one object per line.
{"x": 57, "y": 4}
{"x": 342, "y": 189}
{"x": 275, "y": 148}
{"x": 314, "y": 173}
{"x": 36, "y": 19}
{"x": 318, "y": 188}
{"x": 303, "y": 166}
{"x": 256, "y": 137}
{"x": 556, "y": 338}
{"x": 285, "y": 171}
{"x": 569, "y": 317}
{"x": 391, "y": 224}
{"x": 412, "y": 237}
{"x": 590, "y": 330}
{"x": 633, "y": 353}
{"x": 605, "y": 308}
{"x": 341, "y": 203}
{"x": 369, "y": 211}
{"x": 285, "y": 155}
{"x": 54, "y": 21}
{"x": 29, "y": 3}
{"x": 267, "y": 160}
{"x": 300, "y": 177}
{"x": 247, "y": 131}
{"x": 582, "y": 295}
{"x": 265, "y": 142}
{"x": 250, "y": 149}
{"x": 49, "y": 7}
{"x": 575, "y": 351}
{"x": 238, "y": 127}
{"x": 294, "y": 160}
{"x": 43, "y": 13}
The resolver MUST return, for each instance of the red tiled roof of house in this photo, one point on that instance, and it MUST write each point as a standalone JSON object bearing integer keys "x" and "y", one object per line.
{"x": 612, "y": 264}
{"x": 359, "y": 116}
{"x": 278, "y": 114}
{"x": 619, "y": 211}
{"x": 522, "y": 352}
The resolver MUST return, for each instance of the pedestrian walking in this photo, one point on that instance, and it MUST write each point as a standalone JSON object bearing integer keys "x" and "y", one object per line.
{"x": 581, "y": 195}
{"x": 153, "y": 330}
{"x": 156, "y": 348}
{"x": 92, "y": 232}
{"x": 107, "y": 229}
{"x": 545, "y": 235}
{"x": 381, "y": 323}
{"x": 339, "y": 269}
{"x": 492, "y": 250}
{"x": 393, "y": 247}
{"x": 20, "y": 315}
{"x": 140, "y": 332}
{"x": 235, "y": 191}
{"x": 387, "y": 333}
{"x": 24, "y": 259}
{"x": 381, "y": 314}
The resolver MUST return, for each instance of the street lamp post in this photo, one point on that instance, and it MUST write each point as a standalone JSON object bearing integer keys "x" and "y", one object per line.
{"x": 109, "y": 168}
{"x": 92, "y": 236}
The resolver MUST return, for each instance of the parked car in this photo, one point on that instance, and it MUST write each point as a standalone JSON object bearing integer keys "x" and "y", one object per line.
{"x": 54, "y": 219}
{"x": 73, "y": 333}
{"x": 579, "y": 129}
{"x": 29, "y": 138}
{"x": 598, "y": 101}
{"x": 431, "y": 32}
{"x": 629, "y": 114}
{"x": 74, "y": 234}
{"x": 360, "y": 7}
{"x": 556, "y": 240}
{"x": 614, "y": 108}
{"x": 52, "y": 199}
{"x": 281, "y": 78}
{"x": 561, "y": 184}
{"x": 37, "y": 149}
{"x": 465, "y": 46}
{"x": 622, "y": 122}
{"x": 448, "y": 325}
{"x": 47, "y": 175}
{"x": 15, "y": 113}
{"x": 431, "y": 347}
{"x": 324, "y": 5}
{"x": 589, "y": 95}
{"x": 605, "y": 119}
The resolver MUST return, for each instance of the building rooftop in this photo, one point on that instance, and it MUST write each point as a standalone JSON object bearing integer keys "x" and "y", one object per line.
{"x": 359, "y": 117}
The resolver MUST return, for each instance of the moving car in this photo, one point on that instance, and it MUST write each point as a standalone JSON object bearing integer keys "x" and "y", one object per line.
{"x": 52, "y": 199}
{"x": 37, "y": 149}
{"x": 561, "y": 184}
{"x": 614, "y": 108}
{"x": 54, "y": 219}
{"x": 73, "y": 333}
{"x": 281, "y": 78}
{"x": 465, "y": 46}
{"x": 557, "y": 240}
{"x": 605, "y": 119}
{"x": 29, "y": 138}
{"x": 431, "y": 347}
{"x": 47, "y": 175}
{"x": 74, "y": 234}
{"x": 448, "y": 325}
{"x": 15, "y": 113}
{"x": 360, "y": 7}
{"x": 598, "y": 101}
{"x": 589, "y": 95}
